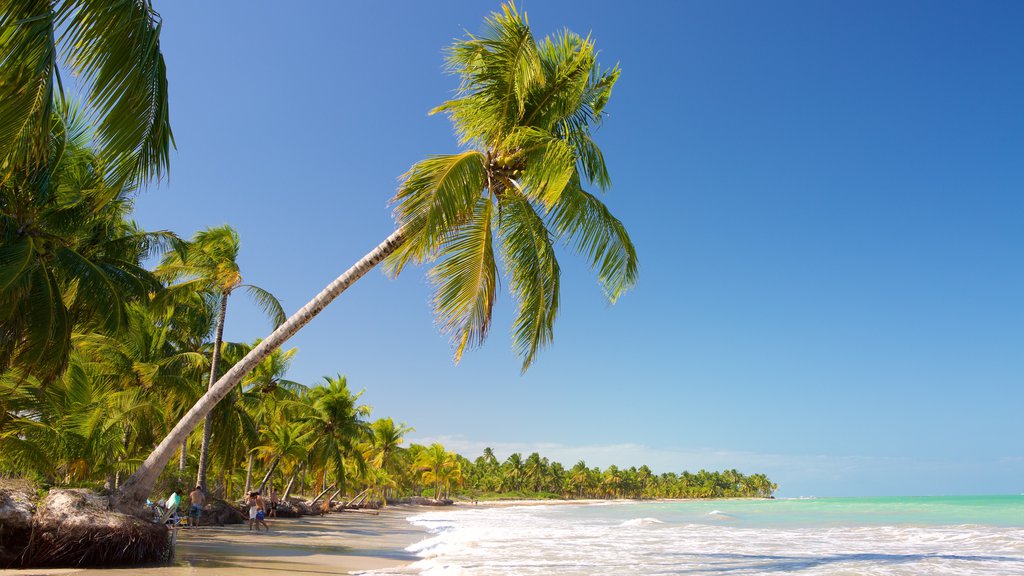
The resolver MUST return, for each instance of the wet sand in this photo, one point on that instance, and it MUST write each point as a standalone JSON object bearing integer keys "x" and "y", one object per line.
{"x": 334, "y": 544}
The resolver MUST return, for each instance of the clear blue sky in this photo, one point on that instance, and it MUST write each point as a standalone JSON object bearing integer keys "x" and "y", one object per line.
{"x": 825, "y": 196}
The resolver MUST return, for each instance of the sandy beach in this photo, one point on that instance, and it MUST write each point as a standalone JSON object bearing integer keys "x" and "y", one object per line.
{"x": 334, "y": 544}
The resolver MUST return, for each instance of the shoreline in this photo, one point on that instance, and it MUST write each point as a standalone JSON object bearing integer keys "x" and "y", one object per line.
{"x": 338, "y": 543}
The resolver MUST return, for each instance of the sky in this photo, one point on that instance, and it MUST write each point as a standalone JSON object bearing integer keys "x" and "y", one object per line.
{"x": 825, "y": 198}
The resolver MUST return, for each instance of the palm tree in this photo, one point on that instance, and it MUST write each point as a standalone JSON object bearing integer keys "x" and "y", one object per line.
{"x": 385, "y": 439}
{"x": 525, "y": 111}
{"x": 440, "y": 467}
{"x": 533, "y": 471}
{"x": 514, "y": 470}
{"x": 332, "y": 410}
{"x": 264, "y": 400}
{"x": 69, "y": 257}
{"x": 209, "y": 263}
{"x": 285, "y": 443}
{"x": 114, "y": 50}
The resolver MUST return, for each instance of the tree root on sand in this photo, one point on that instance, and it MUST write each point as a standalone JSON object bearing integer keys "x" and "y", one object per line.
{"x": 74, "y": 528}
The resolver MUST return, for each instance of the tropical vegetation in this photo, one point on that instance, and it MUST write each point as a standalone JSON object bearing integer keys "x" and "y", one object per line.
{"x": 100, "y": 352}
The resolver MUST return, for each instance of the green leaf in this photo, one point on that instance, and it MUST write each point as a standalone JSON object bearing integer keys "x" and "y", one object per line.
{"x": 14, "y": 261}
{"x": 268, "y": 303}
{"x": 587, "y": 224}
{"x": 498, "y": 69}
{"x": 535, "y": 275}
{"x": 549, "y": 163}
{"x": 115, "y": 48}
{"x": 95, "y": 286}
{"x": 28, "y": 67}
{"x": 466, "y": 281}
{"x": 437, "y": 196}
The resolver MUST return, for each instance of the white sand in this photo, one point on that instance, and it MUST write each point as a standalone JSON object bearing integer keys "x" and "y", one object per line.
{"x": 334, "y": 544}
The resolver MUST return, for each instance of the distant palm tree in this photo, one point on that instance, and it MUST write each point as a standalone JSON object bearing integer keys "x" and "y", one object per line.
{"x": 514, "y": 470}
{"x": 209, "y": 264}
{"x": 439, "y": 467}
{"x": 525, "y": 110}
{"x": 284, "y": 442}
{"x": 340, "y": 423}
{"x": 385, "y": 439}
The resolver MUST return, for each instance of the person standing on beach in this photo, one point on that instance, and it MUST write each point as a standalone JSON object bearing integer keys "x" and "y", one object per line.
{"x": 257, "y": 511}
{"x": 198, "y": 500}
{"x": 273, "y": 502}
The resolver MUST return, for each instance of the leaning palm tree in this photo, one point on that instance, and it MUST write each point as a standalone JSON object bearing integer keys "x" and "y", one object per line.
{"x": 524, "y": 113}
{"x": 209, "y": 264}
{"x": 113, "y": 49}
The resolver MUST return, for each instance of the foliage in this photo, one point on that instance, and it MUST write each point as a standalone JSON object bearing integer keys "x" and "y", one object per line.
{"x": 525, "y": 110}
{"x": 113, "y": 49}
{"x": 70, "y": 257}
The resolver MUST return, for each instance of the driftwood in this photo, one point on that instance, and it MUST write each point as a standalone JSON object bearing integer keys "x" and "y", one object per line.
{"x": 362, "y": 511}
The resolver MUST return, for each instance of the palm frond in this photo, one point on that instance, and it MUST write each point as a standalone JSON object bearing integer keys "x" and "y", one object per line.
{"x": 587, "y": 224}
{"x": 437, "y": 196}
{"x": 466, "y": 281}
{"x": 97, "y": 287}
{"x": 549, "y": 163}
{"x": 588, "y": 113}
{"x": 47, "y": 329}
{"x": 268, "y": 303}
{"x": 28, "y": 70}
{"x": 115, "y": 47}
{"x": 497, "y": 69}
{"x": 529, "y": 258}
{"x": 15, "y": 259}
{"x": 568, "y": 60}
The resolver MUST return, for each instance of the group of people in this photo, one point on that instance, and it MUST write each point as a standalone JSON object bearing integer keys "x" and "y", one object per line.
{"x": 258, "y": 510}
{"x": 168, "y": 512}
{"x": 257, "y": 507}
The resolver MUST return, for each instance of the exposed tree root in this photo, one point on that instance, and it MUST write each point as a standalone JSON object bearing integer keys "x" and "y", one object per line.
{"x": 75, "y": 528}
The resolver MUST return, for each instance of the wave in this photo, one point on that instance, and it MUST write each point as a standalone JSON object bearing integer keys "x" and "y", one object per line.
{"x": 640, "y": 522}
{"x": 582, "y": 541}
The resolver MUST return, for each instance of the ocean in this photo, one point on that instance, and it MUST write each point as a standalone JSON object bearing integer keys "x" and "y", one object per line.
{"x": 811, "y": 537}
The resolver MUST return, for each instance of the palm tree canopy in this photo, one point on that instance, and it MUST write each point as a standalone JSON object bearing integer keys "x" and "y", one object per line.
{"x": 113, "y": 48}
{"x": 525, "y": 111}
{"x": 209, "y": 263}
{"x": 69, "y": 257}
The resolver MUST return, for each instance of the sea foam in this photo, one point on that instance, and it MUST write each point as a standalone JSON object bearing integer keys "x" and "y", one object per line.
{"x": 640, "y": 522}
{"x": 821, "y": 537}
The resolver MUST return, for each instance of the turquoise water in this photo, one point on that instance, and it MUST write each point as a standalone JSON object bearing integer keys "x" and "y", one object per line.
{"x": 1006, "y": 511}
{"x": 812, "y": 537}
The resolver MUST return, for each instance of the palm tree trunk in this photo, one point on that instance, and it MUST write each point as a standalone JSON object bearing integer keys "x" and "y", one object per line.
{"x": 273, "y": 466}
{"x": 248, "y": 476}
{"x": 333, "y": 496}
{"x": 288, "y": 488}
{"x": 183, "y": 457}
{"x": 204, "y": 448}
{"x": 139, "y": 485}
{"x": 320, "y": 495}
